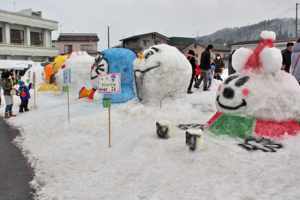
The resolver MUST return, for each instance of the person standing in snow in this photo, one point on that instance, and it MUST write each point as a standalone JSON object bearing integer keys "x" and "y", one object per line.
{"x": 191, "y": 58}
{"x": 7, "y": 87}
{"x": 286, "y": 57}
{"x": 197, "y": 71}
{"x": 219, "y": 67}
{"x": 296, "y": 61}
{"x": 204, "y": 67}
{"x": 24, "y": 96}
{"x": 211, "y": 73}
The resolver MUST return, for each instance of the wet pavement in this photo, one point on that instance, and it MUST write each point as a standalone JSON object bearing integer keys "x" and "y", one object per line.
{"x": 15, "y": 173}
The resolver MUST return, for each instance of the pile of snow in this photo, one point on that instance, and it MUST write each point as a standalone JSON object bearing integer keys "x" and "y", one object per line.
{"x": 73, "y": 160}
{"x": 80, "y": 65}
{"x": 38, "y": 69}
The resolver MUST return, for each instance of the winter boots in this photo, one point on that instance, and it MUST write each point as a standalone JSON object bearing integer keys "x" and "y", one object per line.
{"x": 7, "y": 115}
{"x": 11, "y": 114}
{"x": 190, "y": 92}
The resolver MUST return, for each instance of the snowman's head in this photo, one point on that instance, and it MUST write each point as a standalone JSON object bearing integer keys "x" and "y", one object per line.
{"x": 161, "y": 73}
{"x": 256, "y": 89}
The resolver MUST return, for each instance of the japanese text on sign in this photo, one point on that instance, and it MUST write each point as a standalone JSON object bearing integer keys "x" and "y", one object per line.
{"x": 109, "y": 83}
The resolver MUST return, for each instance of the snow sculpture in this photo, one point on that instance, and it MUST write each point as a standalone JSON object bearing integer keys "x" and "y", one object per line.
{"x": 192, "y": 137}
{"x": 80, "y": 63}
{"x": 260, "y": 98}
{"x": 162, "y": 74}
{"x": 115, "y": 60}
{"x": 163, "y": 128}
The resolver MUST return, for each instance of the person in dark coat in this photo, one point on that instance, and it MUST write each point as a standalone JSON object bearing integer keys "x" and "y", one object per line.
{"x": 24, "y": 96}
{"x": 204, "y": 67}
{"x": 296, "y": 61}
{"x": 7, "y": 87}
{"x": 220, "y": 66}
{"x": 287, "y": 57}
{"x": 191, "y": 58}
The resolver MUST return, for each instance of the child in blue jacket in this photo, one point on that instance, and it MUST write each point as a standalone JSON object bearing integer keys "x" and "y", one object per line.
{"x": 24, "y": 95}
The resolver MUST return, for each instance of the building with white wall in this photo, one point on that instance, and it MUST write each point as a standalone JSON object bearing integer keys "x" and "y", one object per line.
{"x": 25, "y": 35}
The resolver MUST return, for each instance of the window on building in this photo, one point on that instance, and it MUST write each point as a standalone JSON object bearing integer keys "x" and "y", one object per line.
{"x": 157, "y": 42}
{"x": 196, "y": 55}
{"x": 195, "y": 46}
{"x": 146, "y": 43}
{"x": 125, "y": 44}
{"x": 1, "y": 38}
{"x": 16, "y": 36}
{"x": 153, "y": 36}
{"x": 134, "y": 43}
{"x": 68, "y": 49}
{"x": 86, "y": 47}
{"x": 36, "y": 39}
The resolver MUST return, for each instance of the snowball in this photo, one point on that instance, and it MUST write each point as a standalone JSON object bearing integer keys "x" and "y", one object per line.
{"x": 240, "y": 58}
{"x": 267, "y": 35}
{"x": 271, "y": 60}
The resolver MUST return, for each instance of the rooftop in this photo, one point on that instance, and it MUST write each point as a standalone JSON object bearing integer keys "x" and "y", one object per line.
{"x": 138, "y": 36}
{"x": 217, "y": 47}
{"x": 78, "y": 37}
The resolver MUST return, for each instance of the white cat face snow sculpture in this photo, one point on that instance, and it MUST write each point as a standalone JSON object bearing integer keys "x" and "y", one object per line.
{"x": 162, "y": 74}
{"x": 260, "y": 90}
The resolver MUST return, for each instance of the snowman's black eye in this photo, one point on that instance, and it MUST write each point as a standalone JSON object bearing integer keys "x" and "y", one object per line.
{"x": 150, "y": 53}
{"x": 98, "y": 59}
{"x": 230, "y": 79}
{"x": 242, "y": 81}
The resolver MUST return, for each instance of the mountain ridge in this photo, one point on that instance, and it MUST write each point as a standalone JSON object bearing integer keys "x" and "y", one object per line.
{"x": 284, "y": 28}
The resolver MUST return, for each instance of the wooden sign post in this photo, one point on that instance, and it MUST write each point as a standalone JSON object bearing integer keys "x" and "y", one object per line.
{"x": 67, "y": 79}
{"x": 33, "y": 87}
{"x": 107, "y": 84}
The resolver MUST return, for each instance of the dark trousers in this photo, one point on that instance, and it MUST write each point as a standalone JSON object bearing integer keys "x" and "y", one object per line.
{"x": 24, "y": 104}
{"x": 192, "y": 80}
{"x": 204, "y": 75}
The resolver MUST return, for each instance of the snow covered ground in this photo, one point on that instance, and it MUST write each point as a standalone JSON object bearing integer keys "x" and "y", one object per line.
{"x": 73, "y": 160}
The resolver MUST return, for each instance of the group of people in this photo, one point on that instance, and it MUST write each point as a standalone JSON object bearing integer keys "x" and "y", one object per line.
{"x": 8, "y": 91}
{"x": 208, "y": 69}
{"x": 290, "y": 59}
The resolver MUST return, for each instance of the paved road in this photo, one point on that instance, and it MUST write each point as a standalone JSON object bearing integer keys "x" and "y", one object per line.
{"x": 15, "y": 174}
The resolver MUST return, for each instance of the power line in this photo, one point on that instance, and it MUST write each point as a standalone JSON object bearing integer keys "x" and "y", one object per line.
{"x": 282, "y": 13}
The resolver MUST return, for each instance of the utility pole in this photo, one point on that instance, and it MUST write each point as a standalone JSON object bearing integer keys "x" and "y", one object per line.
{"x": 108, "y": 38}
{"x": 296, "y": 19}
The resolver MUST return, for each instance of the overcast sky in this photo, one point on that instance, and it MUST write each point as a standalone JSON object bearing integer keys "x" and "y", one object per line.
{"x": 184, "y": 18}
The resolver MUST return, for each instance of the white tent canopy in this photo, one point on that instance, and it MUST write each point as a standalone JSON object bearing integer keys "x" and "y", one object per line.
{"x": 16, "y": 64}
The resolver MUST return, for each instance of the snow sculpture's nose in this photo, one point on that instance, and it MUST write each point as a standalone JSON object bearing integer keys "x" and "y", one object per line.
{"x": 228, "y": 93}
{"x": 141, "y": 56}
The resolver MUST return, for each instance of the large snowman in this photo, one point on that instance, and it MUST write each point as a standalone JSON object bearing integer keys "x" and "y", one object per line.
{"x": 162, "y": 75}
{"x": 260, "y": 98}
